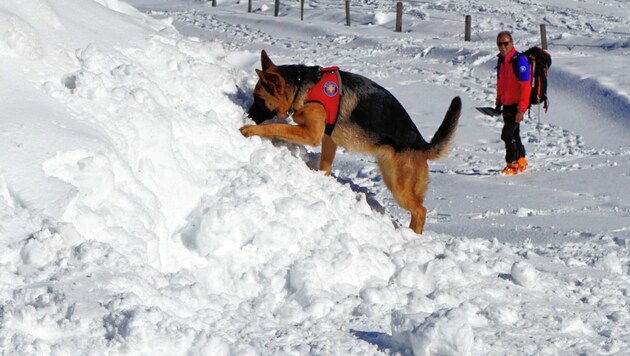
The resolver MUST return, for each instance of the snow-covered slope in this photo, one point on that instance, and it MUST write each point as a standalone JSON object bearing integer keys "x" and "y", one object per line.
{"x": 135, "y": 219}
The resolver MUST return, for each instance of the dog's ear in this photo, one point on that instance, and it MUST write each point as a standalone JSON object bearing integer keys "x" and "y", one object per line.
{"x": 265, "y": 60}
{"x": 271, "y": 79}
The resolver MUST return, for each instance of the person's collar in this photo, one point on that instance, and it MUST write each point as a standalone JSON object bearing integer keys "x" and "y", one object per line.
{"x": 509, "y": 55}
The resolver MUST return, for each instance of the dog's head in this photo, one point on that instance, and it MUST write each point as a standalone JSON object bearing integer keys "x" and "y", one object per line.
{"x": 270, "y": 97}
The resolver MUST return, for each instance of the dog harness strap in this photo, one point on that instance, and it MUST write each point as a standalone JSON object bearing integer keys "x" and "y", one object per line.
{"x": 328, "y": 93}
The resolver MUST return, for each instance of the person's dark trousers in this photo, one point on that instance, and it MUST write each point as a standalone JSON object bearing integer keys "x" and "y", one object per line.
{"x": 511, "y": 135}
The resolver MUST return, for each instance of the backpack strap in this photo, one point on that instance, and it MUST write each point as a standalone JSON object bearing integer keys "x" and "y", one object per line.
{"x": 514, "y": 61}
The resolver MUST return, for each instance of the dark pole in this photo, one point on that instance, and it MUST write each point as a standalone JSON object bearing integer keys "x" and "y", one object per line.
{"x": 467, "y": 30}
{"x": 399, "y": 8}
{"x": 543, "y": 35}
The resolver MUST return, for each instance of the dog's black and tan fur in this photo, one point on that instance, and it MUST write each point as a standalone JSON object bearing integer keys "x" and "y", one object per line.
{"x": 371, "y": 121}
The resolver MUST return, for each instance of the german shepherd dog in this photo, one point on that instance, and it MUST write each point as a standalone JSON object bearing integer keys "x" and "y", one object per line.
{"x": 370, "y": 121}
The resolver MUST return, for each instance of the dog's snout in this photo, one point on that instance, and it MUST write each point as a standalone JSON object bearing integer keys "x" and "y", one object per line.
{"x": 259, "y": 111}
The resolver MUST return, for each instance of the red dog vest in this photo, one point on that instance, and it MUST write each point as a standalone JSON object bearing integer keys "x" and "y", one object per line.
{"x": 328, "y": 93}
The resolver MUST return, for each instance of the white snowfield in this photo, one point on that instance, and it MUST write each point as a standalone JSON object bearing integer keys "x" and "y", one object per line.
{"x": 135, "y": 219}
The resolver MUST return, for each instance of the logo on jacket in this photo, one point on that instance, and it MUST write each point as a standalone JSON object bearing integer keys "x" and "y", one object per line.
{"x": 331, "y": 88}
{"x": 523, "y": 69}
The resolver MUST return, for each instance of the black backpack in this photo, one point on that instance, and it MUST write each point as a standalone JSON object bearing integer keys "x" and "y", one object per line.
{"x": 539, "y": 62}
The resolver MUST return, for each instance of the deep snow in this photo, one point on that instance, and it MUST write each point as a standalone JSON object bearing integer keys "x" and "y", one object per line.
{"x": 135, "y": 219}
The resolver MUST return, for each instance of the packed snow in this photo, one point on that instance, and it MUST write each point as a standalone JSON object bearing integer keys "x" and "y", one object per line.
{"x": 136, "y": 219}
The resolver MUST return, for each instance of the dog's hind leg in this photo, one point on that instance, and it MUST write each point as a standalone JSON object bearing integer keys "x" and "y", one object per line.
{"x": 418, "y": 219}
{"x": 406, "y": 174}
{"x": 327, "y": 156}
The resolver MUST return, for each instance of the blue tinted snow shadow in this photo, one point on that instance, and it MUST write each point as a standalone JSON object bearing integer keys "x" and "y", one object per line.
{"x": 588, "y": 90}
{"x": 384, "y": 342}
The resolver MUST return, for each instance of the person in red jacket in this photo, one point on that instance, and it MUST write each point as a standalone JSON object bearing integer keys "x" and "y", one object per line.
{"x": 513, "y": 90}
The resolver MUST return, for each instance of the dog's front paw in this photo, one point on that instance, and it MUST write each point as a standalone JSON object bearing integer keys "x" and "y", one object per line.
{"x": 248, "y": 130}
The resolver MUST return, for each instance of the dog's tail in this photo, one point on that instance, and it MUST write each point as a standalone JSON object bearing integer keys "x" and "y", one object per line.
{"x": 441, "y": 142}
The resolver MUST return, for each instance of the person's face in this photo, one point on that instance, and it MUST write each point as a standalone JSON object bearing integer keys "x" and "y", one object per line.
{"x": 505, "y": 44}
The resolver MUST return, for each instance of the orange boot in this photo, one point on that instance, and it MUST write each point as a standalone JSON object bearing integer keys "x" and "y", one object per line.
{"x": 522, "y": 164}
{"x": 511, "y": 169}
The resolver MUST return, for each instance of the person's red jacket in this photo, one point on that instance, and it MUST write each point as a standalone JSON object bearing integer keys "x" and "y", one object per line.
{"x": 513, "y": 89}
